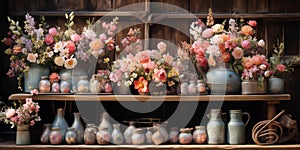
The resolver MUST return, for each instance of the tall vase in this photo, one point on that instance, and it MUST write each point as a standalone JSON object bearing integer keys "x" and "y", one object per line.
{"x": 23, "y": 135}
{"x": 77, "y": 125}
{"x": 33, "y": 76}
{"x": 60, "y": 122}
{"x": 222, "y": 80}
{"x": 105, "y": 123}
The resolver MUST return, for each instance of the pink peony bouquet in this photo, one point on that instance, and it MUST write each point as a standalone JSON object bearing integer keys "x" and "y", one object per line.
{"x": 146, "y": 66}
{"x": 25, "y": 114}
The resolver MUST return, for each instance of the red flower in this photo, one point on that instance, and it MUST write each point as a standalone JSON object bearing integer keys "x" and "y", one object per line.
{"x": 141, "y": 85}
{"x": 160, "y": 75}
{"x": 71, "y": 47}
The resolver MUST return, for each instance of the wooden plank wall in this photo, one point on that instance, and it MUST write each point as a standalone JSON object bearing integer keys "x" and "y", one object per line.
{"x": 269, "y": 29}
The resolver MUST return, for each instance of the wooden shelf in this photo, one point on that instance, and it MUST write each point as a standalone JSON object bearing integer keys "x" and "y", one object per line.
{"x": 204, "y": 98}
{"x": 12, "y": 146}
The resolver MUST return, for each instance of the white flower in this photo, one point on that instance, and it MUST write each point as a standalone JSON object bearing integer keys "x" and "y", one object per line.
{"x": 214, "y": 50}
{"x": 134, "y": 75}
{"x": 50, "y": 54}
{"x": 58, "y": 47}
{"x": 216, "y": 39}
{"x": 59, "y": 61}
{"x": 70, "y": 63}
{"x": 127, "y": 83}
{"x": 261, "y": 43}
{"x": 90, "y": 34}
{"x": 32, "y": 57}
{"x": 162, "y": 47}
{"x": 217, "y": 28}
{"x": 263, "y": 67}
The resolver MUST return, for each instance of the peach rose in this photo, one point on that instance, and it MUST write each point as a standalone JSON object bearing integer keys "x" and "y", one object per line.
{"x": 237, "y": 53}
{"x": 32, "y": 57}
{"x": 247, "y": 30}
{"x": 17, "y": 49}
{"x": 258, "y": 59}
{"x": 247, "y": 63}
{"x": 10, "y": 113}
{"x": 160, "y": 75}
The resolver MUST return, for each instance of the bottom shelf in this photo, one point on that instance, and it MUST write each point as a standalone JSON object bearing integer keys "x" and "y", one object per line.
{"x": 13, "y": 146}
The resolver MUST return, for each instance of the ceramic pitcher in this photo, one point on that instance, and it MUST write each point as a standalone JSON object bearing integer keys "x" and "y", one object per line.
{"x": 236, "y": 127}
{"x": 215, "y": 127}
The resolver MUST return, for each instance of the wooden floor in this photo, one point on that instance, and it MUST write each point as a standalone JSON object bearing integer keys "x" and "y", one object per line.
{"x": 12, "y": 146}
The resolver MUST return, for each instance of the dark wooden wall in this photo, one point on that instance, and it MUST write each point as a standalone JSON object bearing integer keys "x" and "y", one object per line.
{"x": 276, "y": 18}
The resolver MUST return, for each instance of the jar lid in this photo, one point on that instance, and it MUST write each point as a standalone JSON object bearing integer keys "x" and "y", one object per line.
{"x": 185, "y": 130}
{"x": 235, "y": 111}
{"x": 44, "y": 77}
{"x": 199, "y": 127}
{"x": 83, "y": 78}
{"x": 55, "y": 128}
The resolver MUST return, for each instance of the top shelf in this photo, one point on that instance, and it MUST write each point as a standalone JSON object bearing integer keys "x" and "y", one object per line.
{"x": 132, "y": 98}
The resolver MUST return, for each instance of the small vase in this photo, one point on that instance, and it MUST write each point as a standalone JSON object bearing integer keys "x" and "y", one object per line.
{"x": 148, "y": 136}
{"x": 77, "y": 125}
{"x": 60, "y": 122}
{"x": 45, "y": 138}
{"x": 276, "y": 85}
{"x": 138, "y": 137}
{"x": 44, "y": 85}
{"x": 185, "y": 136}
{"x": 32, "y": 77}
{"x": 95, "y": 84}
{"x": 83, "y": 85}
{"x": 116, "y": 136}
{"x": 23, "y": 135}
{"x": 103, "y": 136}
{"x": 173, "y": 135}
{"x": 90, "y": 134}
{"x": 199, "y": 135}
{"x": 55, "y": 136}
{"x": 254, "y": 87}
{"x": 71, "y": 136}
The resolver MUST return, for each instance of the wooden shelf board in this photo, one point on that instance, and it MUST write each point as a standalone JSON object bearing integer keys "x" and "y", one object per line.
{"x": 90, "y": 97}
{"x": 82, "y": 13}
{"x": 12, "y": 146}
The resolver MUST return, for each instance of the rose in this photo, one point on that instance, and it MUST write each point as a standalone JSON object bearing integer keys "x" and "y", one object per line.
{"x": 162, "y": 47}
{"x": 280, "y": 67}
{"x": 10, "y": 113}
{"x": 71, "y": 47}
{"x": 261, "y": 43}
{"x": 247, "y": 30}
{"x": 96, "y": 44}
{"x": 75, "y": 37}
{"x": 59, "y": 61}
{"x": 252, "y": 23}
{"x": 160, "y": 75}
{"x": 54, "y": 77}
{"x": 246, "y": 44}
{"x": 237, "y": 53}
{"x": 258, "y": 59}
{"x": 53, "y": 31}
{"x": 226, "y": 57}
{"x": 247, "y": 63}
{"x": 49, "y": 39}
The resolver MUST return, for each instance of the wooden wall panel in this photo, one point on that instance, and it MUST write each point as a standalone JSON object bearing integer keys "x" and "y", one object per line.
{"x": 199, "y": 6}
{"x": 275, "y": 32}
{"x": 122, "y": 3}
{"x": 277, "y": 6}
{"x": 292, "y": 6}
{"x": 169, "y": 6}
{"x": 239, "y": 6}
{"x": 258, "y": 6}
{"x": 292, "y": 38}
{"x": 222, "y": 6}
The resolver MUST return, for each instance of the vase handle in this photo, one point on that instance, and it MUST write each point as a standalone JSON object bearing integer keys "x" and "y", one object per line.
{"x": 248, "y": 116}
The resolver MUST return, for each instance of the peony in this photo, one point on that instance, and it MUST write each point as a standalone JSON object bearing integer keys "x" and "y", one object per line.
{"x": 160, "y": 75}
{"x": 247, "y": 30}
{"x": 10, "y": 113}
{"x": 280, "y": 67}
{"x": 75, "y": 37}
{"x": 31, "y": 57}
{"x": 70, "y": 63}
{"x": 59, "y": 61}
{"x": 247, "y": 63}
{"x": 70, "y": 45}
{"x": 49, "y": 39}
{"x": 258, "y": 59}
{"x": 162, "y": 47}
{"x": 252, "y": 23}
{"x": 207, "y": 33}
{"x": 246, "y": 44}
{"x": 96, "y": 45}
{"x": 53, "y": 31}
{"x": 237, "y": 53}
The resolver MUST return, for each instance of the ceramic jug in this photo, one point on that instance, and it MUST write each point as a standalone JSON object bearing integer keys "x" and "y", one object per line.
{"x": 215, "y": 127}
{"x": 236, "y": 127}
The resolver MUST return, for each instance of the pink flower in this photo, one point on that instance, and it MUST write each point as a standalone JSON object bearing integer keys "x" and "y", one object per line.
{"x": 150, "y": 65}
{"x": 103, "y": 37}
{"x": 258, "y": 59}
{"x": 32, "y": 122}
{"x": 75, "y": 37}
{"x": 246, "y": 44}
{"x": 247, "y": 63}
{"x": 160, "y": 75}
{"x": 28, "y": 100}
{"x": 10, "y": 113}
{"x": 96, "y": 45}
{"x": 31, "y": 57}
{"x": 252, "y": 23}
{"x": 54, "y": 77}
{"x": 237, "y": 53}
{"x": 53, "y": 31}
{"x": 168, "y": 59}
{"x": 143, "y": 57}
{"x": 49, "y": 39}
{"x": 280, "y": 67}
{"x": 71, "y": 47}
{"x": 207, "y": 33}
{"x": 34, "y": 92}
{"x": 201, "y": 60}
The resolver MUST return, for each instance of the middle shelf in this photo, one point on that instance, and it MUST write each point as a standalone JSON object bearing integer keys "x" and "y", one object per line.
{"x": 204, "y": 98}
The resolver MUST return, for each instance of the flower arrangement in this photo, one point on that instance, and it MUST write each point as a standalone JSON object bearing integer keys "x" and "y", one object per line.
{"x": 146, "y": 66}
{"x": 213, "y": 44}
{"x": 278, "y": 64}
{"x": 37, "y": 43}
{"x": 93, "y": 45}
{"x": 25, "y": 114}
{"x": 131, "y": 43}
{"x": 255, "y": 68}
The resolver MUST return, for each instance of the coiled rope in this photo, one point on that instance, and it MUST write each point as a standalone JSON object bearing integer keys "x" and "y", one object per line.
{"x": 266, "y": 132}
